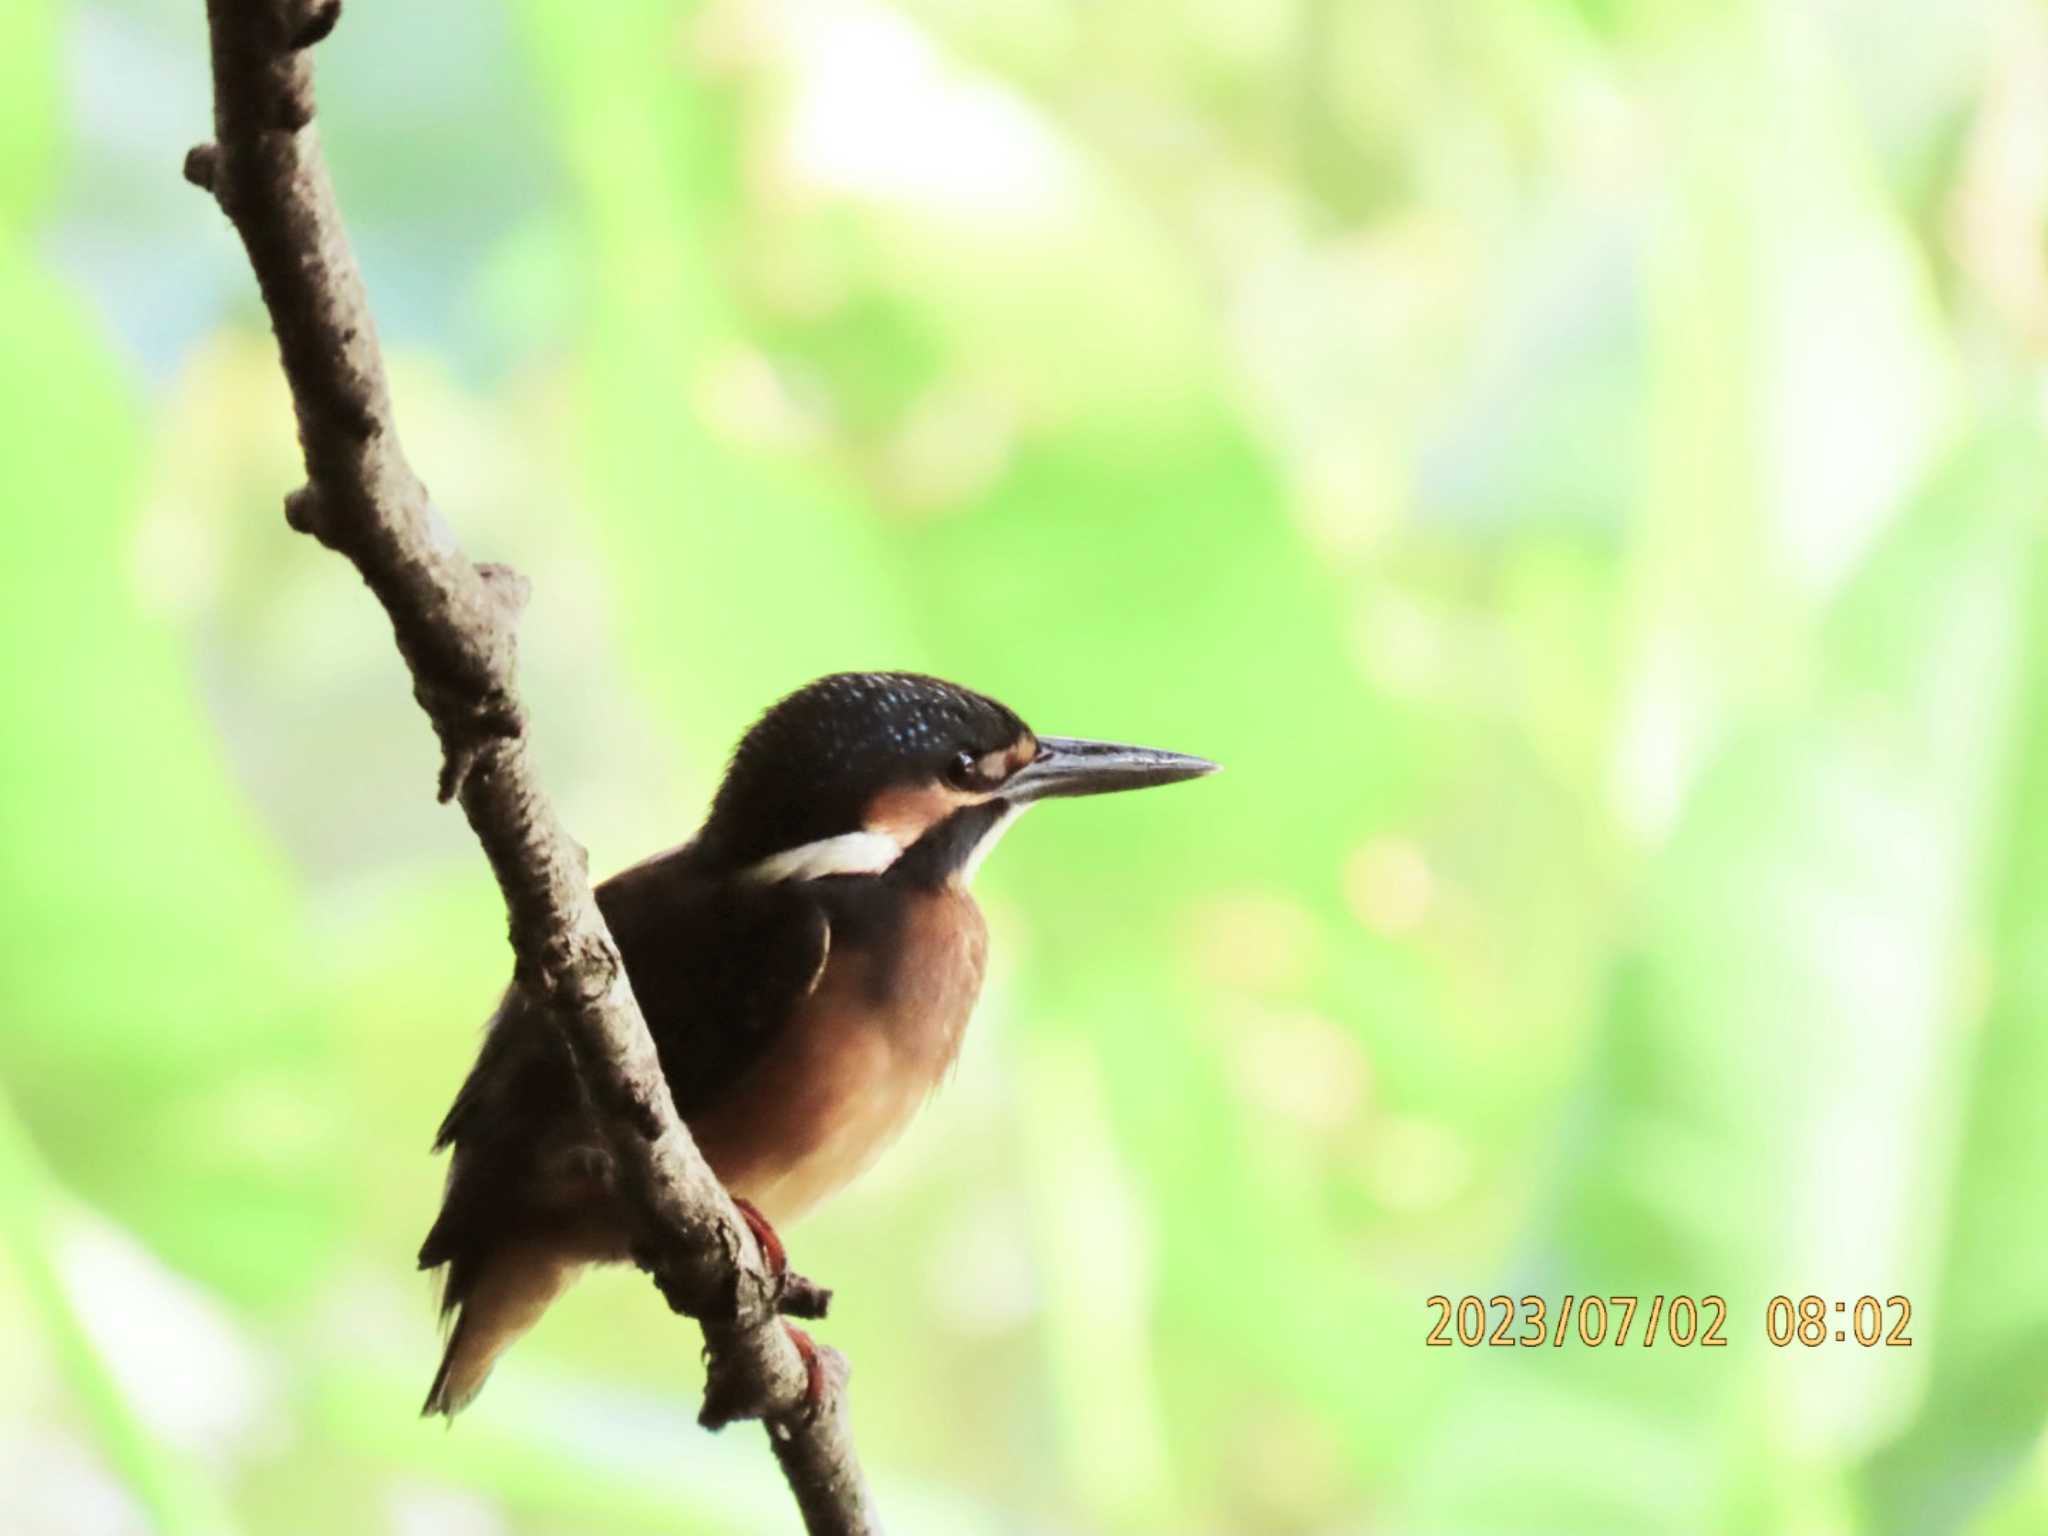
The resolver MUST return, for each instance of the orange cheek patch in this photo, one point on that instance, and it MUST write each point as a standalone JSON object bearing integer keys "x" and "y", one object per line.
{"x": 906, "y": 814}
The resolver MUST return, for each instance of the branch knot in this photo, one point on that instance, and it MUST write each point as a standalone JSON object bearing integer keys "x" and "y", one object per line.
{"x": 305, "y": 511}
{"x": 202, "y": 165}
{"x": 311, "y": 24}
{"x": 508, "y": 589}
{"x": 469, "y": 728}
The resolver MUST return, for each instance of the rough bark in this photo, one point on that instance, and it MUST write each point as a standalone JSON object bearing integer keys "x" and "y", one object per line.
{"x": 455, "y": 624}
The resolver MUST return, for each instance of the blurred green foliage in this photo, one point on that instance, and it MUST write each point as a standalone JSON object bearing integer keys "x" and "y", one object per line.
{"x": 1578, "y": 464}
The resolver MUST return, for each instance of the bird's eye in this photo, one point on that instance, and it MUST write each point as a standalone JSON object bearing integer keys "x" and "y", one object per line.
{"x": 964, "y": 772}
{"x": 979, "y": 775}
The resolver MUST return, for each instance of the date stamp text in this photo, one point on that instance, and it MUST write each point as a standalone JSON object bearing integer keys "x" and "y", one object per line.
{"x": 1676, "y": 1322}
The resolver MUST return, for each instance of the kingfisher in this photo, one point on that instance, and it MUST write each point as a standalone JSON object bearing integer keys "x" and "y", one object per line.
{"x": 806, "y": 965}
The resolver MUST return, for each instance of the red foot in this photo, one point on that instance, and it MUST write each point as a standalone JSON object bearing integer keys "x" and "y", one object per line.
{"x": 771, "y": 1245}
{"x": 814, "y": 1368}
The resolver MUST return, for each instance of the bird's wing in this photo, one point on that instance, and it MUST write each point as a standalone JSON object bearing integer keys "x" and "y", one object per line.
{"x": 719, "y": 968}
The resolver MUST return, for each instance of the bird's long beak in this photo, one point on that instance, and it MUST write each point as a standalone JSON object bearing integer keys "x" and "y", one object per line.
{"x": 1066, "y": 766}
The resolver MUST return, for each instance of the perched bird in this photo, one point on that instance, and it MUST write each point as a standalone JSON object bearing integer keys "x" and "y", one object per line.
{"x": 806, "y": 965}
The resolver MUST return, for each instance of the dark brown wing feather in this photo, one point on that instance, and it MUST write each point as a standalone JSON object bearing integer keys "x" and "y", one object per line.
{"x": 718, "y": 967}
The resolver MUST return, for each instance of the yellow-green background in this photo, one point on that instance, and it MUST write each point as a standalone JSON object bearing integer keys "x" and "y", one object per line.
{"x": 1578, "y": 464}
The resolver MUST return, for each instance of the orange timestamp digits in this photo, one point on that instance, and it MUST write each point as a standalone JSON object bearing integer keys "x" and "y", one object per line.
{"x": 1685, "y": 1321}
{"x": 1814, "y": 1320}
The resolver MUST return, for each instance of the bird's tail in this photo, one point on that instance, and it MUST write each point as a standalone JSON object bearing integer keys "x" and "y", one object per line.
{"x": 499, "y": 1301}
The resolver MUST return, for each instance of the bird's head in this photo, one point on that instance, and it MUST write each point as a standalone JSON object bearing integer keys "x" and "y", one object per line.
{"x": 858, "y": 771}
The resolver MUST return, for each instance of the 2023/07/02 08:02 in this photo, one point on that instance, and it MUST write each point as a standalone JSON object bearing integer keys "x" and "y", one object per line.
{"x": 1684, "y": 1322}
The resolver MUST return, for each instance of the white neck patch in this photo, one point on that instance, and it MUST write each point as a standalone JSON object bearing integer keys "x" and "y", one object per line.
{"x": 850, "y": 853}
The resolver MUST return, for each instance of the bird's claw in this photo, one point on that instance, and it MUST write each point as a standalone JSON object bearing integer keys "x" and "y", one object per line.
{"x": 772, "y": 1252}
{"x": 816, "y": 1378}
{"x": 795, "y": 1295}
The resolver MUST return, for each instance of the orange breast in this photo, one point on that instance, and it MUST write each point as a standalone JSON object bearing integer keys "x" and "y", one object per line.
{"x": 850, "y": 1069}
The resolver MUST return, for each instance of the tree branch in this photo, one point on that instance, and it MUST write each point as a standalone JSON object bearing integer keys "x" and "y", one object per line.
{"x": 455, "y": 624}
